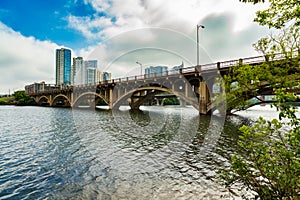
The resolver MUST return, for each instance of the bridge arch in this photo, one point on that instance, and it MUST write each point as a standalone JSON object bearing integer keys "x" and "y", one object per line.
{"x": 66, "y": 103}
{"x": 76, "y": 101}
{"x": 40, "y": 102}
{"x": 128, "y": 94}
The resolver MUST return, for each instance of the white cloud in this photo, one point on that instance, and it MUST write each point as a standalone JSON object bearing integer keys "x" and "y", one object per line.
{"x": 180, "y": 15}
{"x": 24, "y": 60}
{"x": 88, "y": 27}
{"x": 153, "y": 32}
{"x": 99, "y": 5}
{"x": 127, "y": 30}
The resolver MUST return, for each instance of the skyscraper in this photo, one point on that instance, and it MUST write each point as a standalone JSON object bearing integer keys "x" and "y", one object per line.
{"x": 64, "y": 70}
{"x": 91, "y": 67}
{"x": 80, "y": 71}
{"x": 87, "y": 72}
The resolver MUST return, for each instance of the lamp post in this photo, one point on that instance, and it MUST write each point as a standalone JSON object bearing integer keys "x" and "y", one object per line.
{"x": 198, "y": 26}
{"x": 141, "y": 67}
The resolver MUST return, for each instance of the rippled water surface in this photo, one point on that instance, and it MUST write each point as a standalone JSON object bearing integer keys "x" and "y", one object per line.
{"x": 157, "y": 153}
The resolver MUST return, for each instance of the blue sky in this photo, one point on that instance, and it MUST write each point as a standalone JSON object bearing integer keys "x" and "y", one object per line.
{"x": 45, "y": 19}
{"x": 118, "y": 33}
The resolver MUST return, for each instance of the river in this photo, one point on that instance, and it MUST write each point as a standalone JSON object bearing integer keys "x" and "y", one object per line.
{"x": 157, "y": 153}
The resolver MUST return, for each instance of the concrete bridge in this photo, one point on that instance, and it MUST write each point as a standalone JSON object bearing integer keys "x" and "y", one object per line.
{"x": 194, "y": 85}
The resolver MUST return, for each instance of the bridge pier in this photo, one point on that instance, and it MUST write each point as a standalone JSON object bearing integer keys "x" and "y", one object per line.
{"x": 204, "y": 99}
{"x": 182, "y": 102}
{"x": 110, "y": 104}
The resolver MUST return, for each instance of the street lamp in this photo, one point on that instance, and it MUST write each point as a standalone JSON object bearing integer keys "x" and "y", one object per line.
{"x": 198, "y": 26}
{"x": 141, "y": 67}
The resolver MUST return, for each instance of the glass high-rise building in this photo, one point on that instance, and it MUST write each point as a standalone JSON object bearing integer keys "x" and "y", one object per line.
{"x": 91, "y": 67}
{"x": 64, "y": 69}
{"x": 78, "y": 65}
{"x": 156, "y": 71}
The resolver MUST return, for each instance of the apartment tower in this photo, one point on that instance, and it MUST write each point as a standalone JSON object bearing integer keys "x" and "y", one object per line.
{"x": 64, "y": 69}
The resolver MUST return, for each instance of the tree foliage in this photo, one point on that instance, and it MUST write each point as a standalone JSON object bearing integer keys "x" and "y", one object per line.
{"x": 270, "y": 160}
{"x": 281, "y": 13}
{"x": 281, "y": 69}
{"x": 22, "y": 98}
{"x": 245, "y": 83}
{"x": 171, "y": 101}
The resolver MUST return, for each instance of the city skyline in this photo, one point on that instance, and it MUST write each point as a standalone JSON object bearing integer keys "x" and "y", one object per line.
{"x": 84, "y": 26}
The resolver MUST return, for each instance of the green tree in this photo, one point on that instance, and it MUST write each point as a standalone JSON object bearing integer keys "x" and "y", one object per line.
{"x": 22, "y": 98}
{"x": 270, "y": 160}
{"x": 2, "y": 102}
{"x": 247, "y": 81}
{"x": 171, "y": 101}
{"x": 279, "y": 14}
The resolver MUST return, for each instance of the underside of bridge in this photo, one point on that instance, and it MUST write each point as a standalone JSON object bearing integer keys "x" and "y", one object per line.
{"x": 61, "y": 101}
{"x": 139, "y": 93}
{"x": 43, "y": 101}
{"x": 190, "y": 89}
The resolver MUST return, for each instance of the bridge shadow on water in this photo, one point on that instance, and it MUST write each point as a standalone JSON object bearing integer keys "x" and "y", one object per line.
{"x": 156, "y": 147}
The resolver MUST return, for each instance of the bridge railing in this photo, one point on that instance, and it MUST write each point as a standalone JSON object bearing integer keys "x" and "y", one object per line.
{"x": 254, "y": 60}
{"x": 199, "y": 68}
{"x": 188, "y": 70}
{"x": 228, "y": 63}
{"x": 173, "y": 72}
{"x": 209, "y": 66}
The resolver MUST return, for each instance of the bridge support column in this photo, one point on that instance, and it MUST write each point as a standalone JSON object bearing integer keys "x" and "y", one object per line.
{"x": 186, "y": 89}
{"x": 204, "y": 99}
{"x": 50, "y": 100}
{"x": 71, "y": 99}
{"x": 110, "y": 97}
{"x": 263, "y": 98}
{"x": 161, "y": 103}
{"x": 182, "y": 102}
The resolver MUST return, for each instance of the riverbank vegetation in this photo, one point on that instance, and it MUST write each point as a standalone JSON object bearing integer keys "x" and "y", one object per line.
{"x": 269, "y": 164}
{"x": 7, "y": 100}
{"x": 19, "y": 98}
{"x": 171, "y": 101}
{"x": 22, "y": 99}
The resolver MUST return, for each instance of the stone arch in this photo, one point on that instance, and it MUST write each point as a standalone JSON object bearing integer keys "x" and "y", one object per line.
{"x": 67, "y": 102}
{"x": 128, "y": 94}
{"x": 195, "y": 83}
{"x": 75, "y": 104}
{"x": 40, "y": 102}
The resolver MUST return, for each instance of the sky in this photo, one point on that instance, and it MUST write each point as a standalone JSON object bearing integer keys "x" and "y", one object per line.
{"x": 119, "y": 33}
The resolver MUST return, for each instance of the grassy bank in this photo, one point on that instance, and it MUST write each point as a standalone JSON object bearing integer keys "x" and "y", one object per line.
{"x": 10, "y": 100}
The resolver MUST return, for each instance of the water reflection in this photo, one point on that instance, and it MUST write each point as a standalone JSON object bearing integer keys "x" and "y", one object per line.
{"x": 153, "y": 146}
{"x": 157, "y": 153}
{"x": 140, "y": 117}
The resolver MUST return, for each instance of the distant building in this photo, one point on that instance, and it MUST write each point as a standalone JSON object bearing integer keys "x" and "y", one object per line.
{"x": 177, "y": 68}
{"x": 38, "y": 87}
{"x": 156, "y": 71}
{"x": 87, "y": 72}
{"x": 64, "y": 69}
{"x": 106, "y": 76}
{"x": 80, "y": 71}
{"x": 91, "y": 64}
{"x": 90, "y": 75}
{"x": 91, "y": 71}
{"x": 98, "y": 76}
